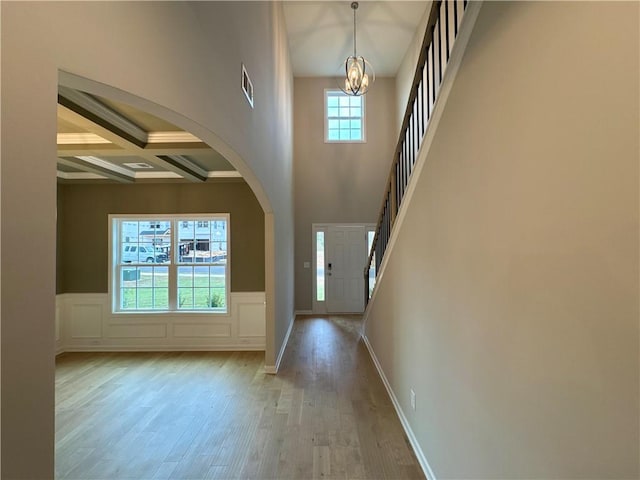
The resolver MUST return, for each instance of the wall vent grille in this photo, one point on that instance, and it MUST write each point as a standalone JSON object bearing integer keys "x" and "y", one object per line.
{"x": 247, "y": 86}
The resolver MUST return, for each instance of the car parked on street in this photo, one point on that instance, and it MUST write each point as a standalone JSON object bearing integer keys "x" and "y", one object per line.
{"x": 143, "y": 254}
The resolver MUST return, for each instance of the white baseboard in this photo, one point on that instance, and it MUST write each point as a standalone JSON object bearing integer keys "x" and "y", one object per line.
{"x": 426, "y": 468}
{"x": 273, "y": 369}
{"x": 303, "y": 312}
{"x": 164, "y": 348}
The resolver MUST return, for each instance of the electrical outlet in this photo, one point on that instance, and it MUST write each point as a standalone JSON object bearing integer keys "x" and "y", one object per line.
{"x": 413, "y": 399}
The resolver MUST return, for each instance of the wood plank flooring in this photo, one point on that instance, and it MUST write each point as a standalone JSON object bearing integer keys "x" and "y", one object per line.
{"x": 216, "y": 415}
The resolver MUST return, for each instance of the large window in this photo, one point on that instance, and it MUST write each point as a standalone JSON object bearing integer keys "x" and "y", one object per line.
{"x": 344, "y": 117}
{"x": 170, "y": 263}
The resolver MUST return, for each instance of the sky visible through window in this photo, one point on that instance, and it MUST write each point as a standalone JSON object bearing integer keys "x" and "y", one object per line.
{"x": 344, "y": 117}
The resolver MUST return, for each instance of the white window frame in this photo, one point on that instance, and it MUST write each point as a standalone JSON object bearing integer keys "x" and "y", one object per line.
{"x": 327, "y": 91}
{"x": 318, "y": 306}
{"x": 176, "y": 220}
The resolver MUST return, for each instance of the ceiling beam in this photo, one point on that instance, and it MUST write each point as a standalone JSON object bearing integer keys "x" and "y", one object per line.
{"x": 97, "y": 112}
{"x": 97, "y": 169}
{"x": 111, "y": 150}
{"x": 81, "y": 116}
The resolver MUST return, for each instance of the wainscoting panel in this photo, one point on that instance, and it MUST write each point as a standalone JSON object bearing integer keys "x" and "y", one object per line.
{"x": 84, "y": 322}
{"x": 195, "y": 330}
{"x": 251, "y": 320}
{"x": 136, "y": 330}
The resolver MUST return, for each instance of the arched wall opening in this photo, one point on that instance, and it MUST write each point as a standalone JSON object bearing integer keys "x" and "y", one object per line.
{"x": 210, "y": 138}
{"x": 186, "y": 56}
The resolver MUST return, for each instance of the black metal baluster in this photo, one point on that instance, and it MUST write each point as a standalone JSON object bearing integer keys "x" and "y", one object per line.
{"x": 446, "y": 16}
{"x": 433, "y": 64}
{"x": 398, "y": 179}
{"x": 440, "y": 51}
{"x": 422, "y": 107}
{"x": 455, "y": 16}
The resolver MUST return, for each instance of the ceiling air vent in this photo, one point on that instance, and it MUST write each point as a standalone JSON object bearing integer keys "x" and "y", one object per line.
{"x": 137, "y": 166}
{"x": 247, "y": 86}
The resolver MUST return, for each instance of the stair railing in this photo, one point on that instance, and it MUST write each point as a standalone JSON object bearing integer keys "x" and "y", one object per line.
{"x": 442, "y": 29}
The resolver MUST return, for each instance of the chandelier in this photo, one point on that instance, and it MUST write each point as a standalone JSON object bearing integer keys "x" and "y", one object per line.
{"x": 358, "y": 73}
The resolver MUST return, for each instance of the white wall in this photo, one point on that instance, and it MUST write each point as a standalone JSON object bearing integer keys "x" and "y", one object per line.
{"x": 181, "y": 60}
{"x": 509, "y": 302}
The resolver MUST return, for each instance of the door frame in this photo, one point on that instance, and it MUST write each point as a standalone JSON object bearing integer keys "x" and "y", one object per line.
{"x": 320, "y": 307}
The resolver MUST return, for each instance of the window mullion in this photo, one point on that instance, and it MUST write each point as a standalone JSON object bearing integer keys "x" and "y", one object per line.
{"x": 118, "y": 286}
{"x": 173, "y": 269}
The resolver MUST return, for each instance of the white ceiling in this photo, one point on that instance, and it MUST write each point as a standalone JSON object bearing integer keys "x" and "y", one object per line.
{"x": 321, "y": 34}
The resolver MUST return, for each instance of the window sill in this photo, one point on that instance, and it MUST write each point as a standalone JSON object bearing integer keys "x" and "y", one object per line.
{"x": 344, "y": 141}
{"x": 175, "y": 313}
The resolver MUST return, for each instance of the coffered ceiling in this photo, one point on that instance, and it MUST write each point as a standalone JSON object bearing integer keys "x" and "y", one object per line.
{"x": 102, "y": 140}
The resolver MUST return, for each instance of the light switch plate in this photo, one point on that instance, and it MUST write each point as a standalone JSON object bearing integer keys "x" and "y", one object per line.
{"x": 307, "y": 264}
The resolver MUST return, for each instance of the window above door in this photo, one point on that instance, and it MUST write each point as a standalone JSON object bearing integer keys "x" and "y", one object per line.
{"x": 344, "y": 119}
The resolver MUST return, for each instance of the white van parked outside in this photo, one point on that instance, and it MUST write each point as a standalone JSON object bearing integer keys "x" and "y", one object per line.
{"x": 143, "y": 254}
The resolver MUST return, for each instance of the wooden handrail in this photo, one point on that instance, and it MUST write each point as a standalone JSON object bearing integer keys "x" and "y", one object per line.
{"x": 409, "y": 141}
{"x": 434, "y": 14}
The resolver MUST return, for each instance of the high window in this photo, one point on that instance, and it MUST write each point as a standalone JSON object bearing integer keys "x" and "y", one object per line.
{"x": 344, "y": 117}
{"x": 170, "y": 263}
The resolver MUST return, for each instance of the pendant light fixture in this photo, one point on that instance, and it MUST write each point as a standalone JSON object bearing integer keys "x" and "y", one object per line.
{"x": 358, "y": 73}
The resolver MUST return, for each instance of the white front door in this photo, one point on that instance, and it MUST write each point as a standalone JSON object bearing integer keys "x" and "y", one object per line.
{"x": 345, "y": 257}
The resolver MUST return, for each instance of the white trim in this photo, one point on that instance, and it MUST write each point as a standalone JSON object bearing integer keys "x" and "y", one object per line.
{"x": 79, "y": 176}
{"x": 106, "y": 165}
{"x": 317, "y": 306}
{"x": 273, "y": 369}
{"x": 85, "y": 324}
{"x": 80, "y": 139}
{"x": 225, "y": 174}
{"x": 164, "y": 348}
{"x": 172, "y": 137}
{"x": 157, "y": 174}
{"x": 422, "y": 460}
{"x": 146, "y": 175}
{"x": 326, "y": 118}
{"x": 455, "y": 59}
{"x": 115, "y": 221}
{"x": 86, "y": 138}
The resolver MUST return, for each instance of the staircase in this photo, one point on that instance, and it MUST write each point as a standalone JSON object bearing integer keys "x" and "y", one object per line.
{"x": 449, "y": 25}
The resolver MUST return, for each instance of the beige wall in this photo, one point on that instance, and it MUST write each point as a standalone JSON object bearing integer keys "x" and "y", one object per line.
{"x": 84, "y": 228}
{"x": 180, "y": 61}
{"x": 337, "y": 182}
{"x": 510, "y": 300}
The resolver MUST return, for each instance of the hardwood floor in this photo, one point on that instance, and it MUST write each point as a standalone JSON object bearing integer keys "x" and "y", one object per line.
{"x": 216, "y": 415}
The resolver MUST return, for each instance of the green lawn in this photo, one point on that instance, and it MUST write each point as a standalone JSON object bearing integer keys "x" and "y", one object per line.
{"x": 151, "y": 292}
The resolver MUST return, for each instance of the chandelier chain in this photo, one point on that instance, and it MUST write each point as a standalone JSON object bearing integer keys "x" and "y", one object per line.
{"x": 354, "y": 6}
